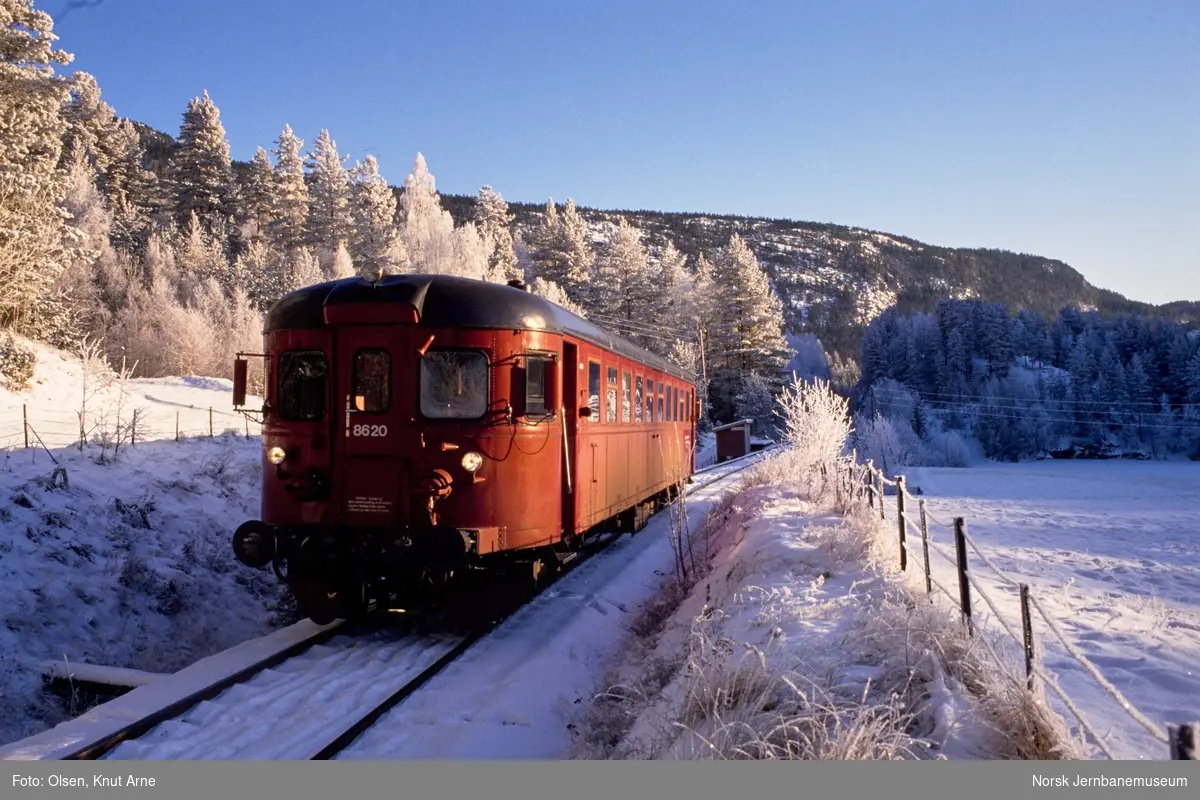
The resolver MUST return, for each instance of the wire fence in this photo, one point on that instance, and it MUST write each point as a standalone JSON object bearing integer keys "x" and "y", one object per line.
{"x": 1180, "y": 739}
{"x": 29, "y": 426}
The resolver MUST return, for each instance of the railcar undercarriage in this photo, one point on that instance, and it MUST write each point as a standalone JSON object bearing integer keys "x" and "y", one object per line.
{"x": 350, "y": 574}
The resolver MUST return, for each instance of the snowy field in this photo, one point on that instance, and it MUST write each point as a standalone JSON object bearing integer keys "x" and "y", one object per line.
{"x": 62, "y": 388}
{"x": 128, "y": 563}
{"x": 1111, "y": 550}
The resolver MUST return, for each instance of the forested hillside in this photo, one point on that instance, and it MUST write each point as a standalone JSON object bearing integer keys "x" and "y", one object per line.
{"x": 168, "y": 250}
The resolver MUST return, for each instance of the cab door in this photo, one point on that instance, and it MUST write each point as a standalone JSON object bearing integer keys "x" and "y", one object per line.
{"x": 371, "y": 408}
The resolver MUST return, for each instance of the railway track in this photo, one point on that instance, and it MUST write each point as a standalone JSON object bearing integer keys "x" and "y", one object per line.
{"x": 328, "y": 677}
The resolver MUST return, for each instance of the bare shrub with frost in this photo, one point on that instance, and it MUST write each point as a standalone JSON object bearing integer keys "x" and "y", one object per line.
{"x": 816, "y": 428}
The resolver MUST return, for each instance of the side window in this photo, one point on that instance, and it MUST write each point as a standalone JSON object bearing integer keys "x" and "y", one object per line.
{"x": 612, "y": 395}
{"x": 688, "y": 407}
{"x": 649, "y": 400}
{"x": 535, "y": 386}
{"x": 625, "y": 398}
{"x": 372, "y": 380}
{"x": 637, "y": 399}
{"x": 594, "y": 390}
{"x": 454, "y": 384}
{"x": 678, "y": 405}
{"x": 301, "y": 385}
{"x": 661, "y": 418}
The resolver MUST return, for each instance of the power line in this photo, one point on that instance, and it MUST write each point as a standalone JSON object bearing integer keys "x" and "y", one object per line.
{"x": 1065, "y": 401}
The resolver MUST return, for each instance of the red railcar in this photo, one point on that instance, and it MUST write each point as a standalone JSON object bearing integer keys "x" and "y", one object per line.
{"x": 421, "y": 426}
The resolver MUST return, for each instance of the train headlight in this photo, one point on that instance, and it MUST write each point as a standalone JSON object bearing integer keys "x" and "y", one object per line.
{"x": 472, "y": 461}
{"x": 276, "y": 455}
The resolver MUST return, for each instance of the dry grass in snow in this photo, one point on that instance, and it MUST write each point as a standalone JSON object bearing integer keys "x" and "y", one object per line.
{"x": 800, "y": 640}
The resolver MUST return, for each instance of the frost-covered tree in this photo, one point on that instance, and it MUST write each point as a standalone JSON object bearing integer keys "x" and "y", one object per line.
{"x": 623, "y": 287}
{"x": 289, "y": 207}
{"x": 91, "y": 123}
{"x": 748, "y": 332}
{"x": 329, "y": 195}
{"x": 427, "y": 229}
{"x": 258, "y": 196}
{"x": 375, "y": 243}
{"x": 564, "y": 253}
{"x": 32, "y": 227}
{"x": 471, "y": 255}
{"x": 494, "y": 223}
{"x": 201, "y": 170}
{"x": 130, "y": 190}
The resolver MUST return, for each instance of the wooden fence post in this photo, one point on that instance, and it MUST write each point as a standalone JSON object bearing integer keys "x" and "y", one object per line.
{"x": 925, "y": 546}
{"x": 882, "y": 494}
{"x": 177, "y": 426}
{"x": 1183, "y": 741}
{"x": 210, "y": 423}
{"x": 25, "y": 422}
{"x": 964, "y": 584}
{"x": 1027, "y": 631}
{"x": 900, "y": 517}
{"x": 869, "y": 480}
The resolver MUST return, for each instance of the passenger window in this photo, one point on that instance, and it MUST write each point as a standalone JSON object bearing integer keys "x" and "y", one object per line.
{"x": 454, "y": 384}
{"x": 535, "y": 386}
{"x": 625, "y": 398}
{"x": 637, "y": 399}
{"x": 661, "y": 418}
{"x": 594, "y": 390}
{"x": 612, "y": 395}
{"x": 372, "y": 380}
{"x": 687, "y": 409}
{"x": 670, "y": 409}
{"x": 301, "y": 385}
{"x": 649, "y": 400}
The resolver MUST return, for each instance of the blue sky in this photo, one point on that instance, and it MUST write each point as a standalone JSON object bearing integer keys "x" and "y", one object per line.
{"x": 1066, "y": 129}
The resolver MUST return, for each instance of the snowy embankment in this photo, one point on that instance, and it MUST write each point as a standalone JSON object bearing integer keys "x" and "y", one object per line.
{"x": 1110, "y": 550}
{"x": 121, "y": 557}
{"x": 793, "y": 635}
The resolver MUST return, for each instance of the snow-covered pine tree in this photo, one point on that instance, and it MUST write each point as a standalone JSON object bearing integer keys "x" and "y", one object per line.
{"x": 470, "y": 253}
{"x": 129, "y": 189}
{"x": 543, "y": 243}
{"x": 494, "y": 223}
{"x": 562, "y": 249}
{"x": 427, "y": 229}
{"x": 748, "y": 336}
{"x": 201, "y": 169}
{"x": 623, "y": 288}
{"x": 257, "y": 200}
{"x": 577, "y": 252}
{"x": 289, "y": 207}
{"x": 375, "y": 244}
{"x": 672, "y": 300}
{"x": 328, "y": 196}
{"x": 31, "y": 144}
{"x": 91, "y": 123}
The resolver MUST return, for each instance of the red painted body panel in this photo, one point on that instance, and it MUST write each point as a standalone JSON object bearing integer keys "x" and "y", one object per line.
{"x": 522, "y": 487}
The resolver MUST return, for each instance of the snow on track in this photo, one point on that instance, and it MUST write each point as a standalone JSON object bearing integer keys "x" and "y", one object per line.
{"x": 293, "y": 710}
{"x": 505, "y": 697}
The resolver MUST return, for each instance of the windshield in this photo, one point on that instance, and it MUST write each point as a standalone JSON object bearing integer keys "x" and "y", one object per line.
{"x": 454, "y": 384}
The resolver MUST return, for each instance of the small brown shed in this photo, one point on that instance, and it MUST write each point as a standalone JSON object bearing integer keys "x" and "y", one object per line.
{"x": 733, "y": 439}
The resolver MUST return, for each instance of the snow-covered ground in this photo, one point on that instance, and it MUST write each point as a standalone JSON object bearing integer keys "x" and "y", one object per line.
{"x": 1111, "y": 550}
{"x": 59, "y": 393}
{"x": 801, "y": 642}
{"x": 128, "y": 563}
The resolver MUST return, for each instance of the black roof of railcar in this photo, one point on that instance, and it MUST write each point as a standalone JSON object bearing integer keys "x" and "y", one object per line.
{"x": 446, "y": 301}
